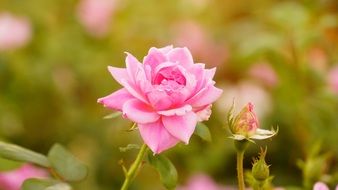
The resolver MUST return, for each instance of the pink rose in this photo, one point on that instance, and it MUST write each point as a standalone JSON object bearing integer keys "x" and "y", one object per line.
{"x": 202, "y": 182}
{"x": 264, "y": 73}
{"x": 13, "y": 180}
{"x": 95, "y": 15}
{"x": 333, "y": 79}
{"x": 165, "y": 96}
{"x": 320, "y": 186}
{"x": 15, "y": 32}
{"x": 198, "y": 40}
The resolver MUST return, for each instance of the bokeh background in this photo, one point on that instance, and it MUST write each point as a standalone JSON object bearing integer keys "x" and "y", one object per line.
{"x": 280, "y": 55}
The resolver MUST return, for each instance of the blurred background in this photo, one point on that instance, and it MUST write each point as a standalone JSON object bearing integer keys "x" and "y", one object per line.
{"x": 280, "y": 55}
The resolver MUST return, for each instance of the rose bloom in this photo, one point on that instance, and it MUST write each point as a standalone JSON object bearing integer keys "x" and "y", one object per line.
{"x": 322, "y": 186}
{"x": 15, "y": 32}
{"x": 12, "y": 180}
{"x": 333, "y": 79}
{"x": 194, "y": 36}
{"x": 95, "y": 15}
{"x": 202, "y": 182}
{"x": 166, "y": 95}
{"x": 264, "y": 73}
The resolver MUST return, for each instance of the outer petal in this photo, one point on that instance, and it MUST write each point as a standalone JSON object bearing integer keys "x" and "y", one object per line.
{"x": 177, "y": 111}
{"x": 132, "y": 66}
{"x": 139, "y": 112}
{"x": 204, "y": 113}
{"x": 134, "y": 90}
{"x": 156, "y": 136}
{"x": 182, "y": 56}
{"x": 119, "y": 74}
{"x": 116, "y": 99}
{"x": 181, "y": 127}
{"x": 206, "y": 96}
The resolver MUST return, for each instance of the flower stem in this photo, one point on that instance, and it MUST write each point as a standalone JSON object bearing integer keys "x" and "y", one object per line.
{"x": 130, "y": 175}
{"x": 240, "y": 146}
{"x": 240, "y": 176}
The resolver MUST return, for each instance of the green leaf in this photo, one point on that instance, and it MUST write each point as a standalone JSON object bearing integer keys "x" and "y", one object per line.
{"x": 129, "y": 147}
{"x": 166, "y": 169}
{"x": 17, "y": 153}
{"x": 203, "y": 131}
{"x": 112, "y": 115}
{"x": 44, "y": 184}
{"x": 7, "y": 165}
{"x": 66, "y": 165}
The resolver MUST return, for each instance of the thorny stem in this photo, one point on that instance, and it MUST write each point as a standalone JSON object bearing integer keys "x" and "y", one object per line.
{"x": 131, "y": 173}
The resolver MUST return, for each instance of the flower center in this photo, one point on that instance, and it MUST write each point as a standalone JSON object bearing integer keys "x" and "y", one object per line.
{"x": 170, "y": 80}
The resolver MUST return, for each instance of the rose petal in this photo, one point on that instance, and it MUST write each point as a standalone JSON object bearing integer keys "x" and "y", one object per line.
{"x": 133, "y": 90}
{"x": 118, "y": 74}
{"x": 154, "y": 58}
{"x": 166, "y": 49}
{"x": 116, "y": 99}
{"x": 181, "y": 127}
{"x": 132, "y": 66}
{"x": 204, "y": 113}
{"x": 206, "y": 96}
{"x": 139, "y": 112}
{"x": 156, "y": 136}
{"x": 177, "y": 111}
{"x": 182, "y": 56}
{"x": 159, "y": 99}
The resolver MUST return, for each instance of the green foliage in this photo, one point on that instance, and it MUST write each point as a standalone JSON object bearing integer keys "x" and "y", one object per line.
{"x": 66, "y": 165}
{"x": 165, "y": 168}
{"x": 129, "y": 147}
{"x": 203, "y": 131}
{"x": 17, "y": 153}
{"x": 40, "y": 184}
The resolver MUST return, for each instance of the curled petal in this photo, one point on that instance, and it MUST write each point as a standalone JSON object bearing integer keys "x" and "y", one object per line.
{"x": 177, "y": 111}
{"x": 116, "y": 99}
{"x": 204, "y": 114}
{"x": 159, "y": 99}
{"x": 182, "y": 56}
{"x": 139, "y": 112}
{"x": 132, "y": 66}
{"x": 154, "y": 58}
{"x": 133, "y": 90}
{"x": 181, "y": 127}
{"x": 156, "y": 136}
{"x": 206, "y": 96}
{"x": 118, "y": 74}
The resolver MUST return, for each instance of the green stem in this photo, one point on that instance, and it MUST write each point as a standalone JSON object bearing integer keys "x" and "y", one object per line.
{"x": 134, "y": 167}
{"x": 240, "y": 176}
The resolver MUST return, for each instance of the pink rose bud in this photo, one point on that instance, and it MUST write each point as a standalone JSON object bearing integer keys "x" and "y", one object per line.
{"x": 246, "y": 121}
{"x": 15, "y": 32}
{"x": 96, "y": 15}
{"x": 166, "y": 95}
{"x": 12, "y": 180}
